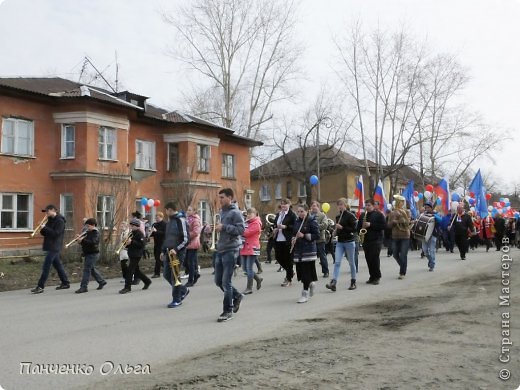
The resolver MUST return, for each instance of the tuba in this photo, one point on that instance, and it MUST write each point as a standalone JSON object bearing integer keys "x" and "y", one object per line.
{"x": 363, "y": 231}
{"x": 214, "y": 237}
{"x": 175, "y": 265}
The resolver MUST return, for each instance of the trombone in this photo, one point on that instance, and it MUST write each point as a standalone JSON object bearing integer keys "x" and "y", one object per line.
{"x": 81, "y": 236}
{"x": 39, "y": 227}
{"x": 214, "y": 238}
{"x": 124, "y": 243}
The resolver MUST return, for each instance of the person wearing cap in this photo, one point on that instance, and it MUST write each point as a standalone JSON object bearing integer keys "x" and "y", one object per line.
{"x": 374, "y": 222}
{"x": 135, "y": 252}
{"x": 52, "y": 233}
{"x": 399, "y": 221}
{"x": 90, "y": 249}
{"x": 429, "y": 247}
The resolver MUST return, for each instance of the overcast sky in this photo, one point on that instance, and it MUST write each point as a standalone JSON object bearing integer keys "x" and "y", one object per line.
{"x": 51, "y": 37}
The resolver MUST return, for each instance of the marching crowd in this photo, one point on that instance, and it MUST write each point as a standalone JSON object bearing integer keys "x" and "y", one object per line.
{"x": 299, "y": 237}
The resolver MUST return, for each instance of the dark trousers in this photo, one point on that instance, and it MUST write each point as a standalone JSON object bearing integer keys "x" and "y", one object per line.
{"x": 449, "y": 239}
{"x": 178, "y": 292}
{"x": 322, "y": 255}
{"x": 134, "y": 271}
{"x": 193, "y": 265}
{"x": 282, "y": 253}
{"x": 52, "y": 259}
{"x": 158, "y": 261}
{"x": 462, "y": 243}
{"x": 498, "y": 241}
{"x": 372, "y": 251}
{"x": 269, "y": 249}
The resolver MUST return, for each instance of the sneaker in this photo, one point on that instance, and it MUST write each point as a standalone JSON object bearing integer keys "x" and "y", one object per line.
{"x": 312, "y": 286}
{"x": 63, "y": 286}
{"x": 304, "y": 297}
{"x": 236, "y": 302}
{"x": 37, "y": 290}
{"x": 185, "y": 276}
{"x": 101, "y": 285}
{"x": 81, "y": 290}
{"x": 225, "y": 316}
{"x": 146, "y": 285}
{"x": 174, "y": 304}
{"x": 185, "y": 294}
{"x": 286, "y": 283}
{"x": 124, "y": 291}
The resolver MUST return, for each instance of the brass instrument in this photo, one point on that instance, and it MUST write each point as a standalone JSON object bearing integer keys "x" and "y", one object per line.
{"x": 214, "y": 238}
{"x": 363, "y": 231}
{"x": 124, "y": 243}
{"x": 175, "y": 265}
{"x": 293, "y": 241}
{"x": 82, "y": 235}
{"x": 270, "y": 221}
{"x": 39, "y": 227}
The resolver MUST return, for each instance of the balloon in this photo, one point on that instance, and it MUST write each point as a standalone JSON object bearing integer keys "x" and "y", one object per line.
{"x": 389, "y": 207}
{"x": 416, "y": 198}
{"x": 471, "y": 201}
{"x": 454, "y": 205}
{"x": 460, "y": 191}
{"x": 507, "y": 204}
{"x": 490, "y": 208}
{"x": 488, "y": 196}
{"x": 157, "y": 203}
{"x": 438, "y": 201}
{"x": 508, "y": 208}
{"x": 150, "y": 203}
{"x": 420, "y": 195}
{"x": 501, "y": 199}
{"x": 472, "y": 194}
{"x": 472, "y": 209}
{"x": 144, "y": 201}
{"x": 314, "y": 180}
{"x": 502, "y": 203}
{"x": 429, "y": 188}
{"x": 147, "y": 208}
{"x": 455, "y": 197}
{"x": 506, "y": 200}
{"x": 500, "y": 211}
{"x": 427, "y": 194}
{"x": 325, "y": 207}
{"x": 415, "y": 193}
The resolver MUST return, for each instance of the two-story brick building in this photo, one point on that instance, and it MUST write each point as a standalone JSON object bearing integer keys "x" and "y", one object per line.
{"x": 96, "y": 153}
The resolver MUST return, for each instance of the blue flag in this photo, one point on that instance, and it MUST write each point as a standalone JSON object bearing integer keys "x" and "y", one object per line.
{"x": 477, "y": 187}
{"x": 408, "y": 195}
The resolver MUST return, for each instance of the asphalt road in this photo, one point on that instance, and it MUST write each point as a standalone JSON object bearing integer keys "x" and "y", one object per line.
{"x": 109, "y": 332}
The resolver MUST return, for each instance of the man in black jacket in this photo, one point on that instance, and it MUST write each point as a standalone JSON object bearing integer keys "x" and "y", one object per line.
{"x": 52, "y": 234}
{"x": 463, "y": 226}
{"x": 158, "y": 230}
{"x": 90, "y": 248}
{"x": 135, "y": 252}
{"x": 282, "y": 234}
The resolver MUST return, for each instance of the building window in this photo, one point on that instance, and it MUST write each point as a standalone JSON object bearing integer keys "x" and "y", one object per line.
{"x": 278, "y": 191}
{"x": 105, "y": 211}
{"x": 248, "y": 201}
{"x": 14, "y": 211}
{"x": 289, "y": 189}
{"x": 264, "y": 193}
{"x": 17, "y": 137}
{"x": 204, "y": 211}
{"x": 68, "y": 141}
{"x": 107, "y": 143}
{"x": 228, "y": 165}
{"x": 67, "y": 210}
{"x": 302, "y": 190}
{"x": 173, "y": 158}
{"x": 145, "y": 155}
{"x": 203, "y": 156}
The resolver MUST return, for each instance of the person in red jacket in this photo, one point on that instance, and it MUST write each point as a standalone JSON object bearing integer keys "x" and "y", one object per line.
{"x": 487, "y": 231}
{"x": 251, "y": 249}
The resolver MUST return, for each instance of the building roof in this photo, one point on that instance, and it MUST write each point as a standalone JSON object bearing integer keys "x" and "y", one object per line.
{"x": 57, "y": 87}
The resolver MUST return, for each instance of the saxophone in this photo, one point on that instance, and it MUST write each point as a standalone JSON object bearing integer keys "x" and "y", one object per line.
{"x": 175, "y": 265}
{"x": 363, "y": 231}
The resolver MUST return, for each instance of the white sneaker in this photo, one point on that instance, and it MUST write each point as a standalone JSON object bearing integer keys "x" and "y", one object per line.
{"x": 311, "y": 288}
{"x": 304, "y": 297}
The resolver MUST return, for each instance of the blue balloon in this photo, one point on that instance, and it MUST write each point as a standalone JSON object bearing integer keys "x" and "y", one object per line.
{"x": 508, "y": 204}
{"x": 455, "y": 197}
{"x": 471, "y": 201}
{"x": 420, "y": 195}
{"x": 314, "y": 180}
{"x": 501, "y": 199}
{"x": 438, "y": 201}
{"x": 144, "y": 201}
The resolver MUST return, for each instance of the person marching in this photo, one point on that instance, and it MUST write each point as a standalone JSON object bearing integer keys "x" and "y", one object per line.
{"x": 158, "y": 230}
{"x": 346, "y": 244}
{"x": 374, "y": 222}
{"x": 251, "y": 249}
{"x": 399, "y": 221}
{"x": 230, "y": 227}
{"x": 487, "y": 231}
{"x": 135, "y": 250}
{"x": 176, "y": 240}
{"x": 123, "y": 252}
{"x": 305, "y": 233}
{"x": 282, "y": 235}
{"x": 463, "y": 228}
{"x": 195, "y": 228}
{"x": 52, "y": 233}
{"x": 323, "y": 224}
{"x": 90, "y": 249}
{"x": 429, "y": 247}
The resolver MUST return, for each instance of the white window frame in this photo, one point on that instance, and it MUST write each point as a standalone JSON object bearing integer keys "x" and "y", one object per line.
{"x": 204, "y": 211}
{"x": 228, "y": 166}
{"x": 145, "y": 155}
{"x": 107, "y": 208}
{"x": 302, "y": 190}
{"x": 203, "y": 158}
{"x": 68, "y": 214}
{"x": 103, "y": 145}
{"x": 14, "y": 210}
{"x": 278, "y": 191}
{"x": 16, "y": 136}
{"x": 65, "y": 141}
{"x": 264, "y": 193}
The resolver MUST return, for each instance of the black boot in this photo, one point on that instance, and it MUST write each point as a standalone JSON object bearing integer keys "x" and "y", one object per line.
{"x": 352, "y": 284}
{"x": 332, "y": 285}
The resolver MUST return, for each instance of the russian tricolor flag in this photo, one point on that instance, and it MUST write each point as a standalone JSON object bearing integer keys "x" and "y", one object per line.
{"x": 379, "y": 196}
{"x": 443, "y": 191}
{"x": 359, "y": 195}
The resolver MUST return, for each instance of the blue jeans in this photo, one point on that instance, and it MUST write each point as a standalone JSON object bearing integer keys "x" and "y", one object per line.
{"x": 177, "y": 291}
{"x": 89, "y": 267}
{"x": 349, "y": 249}
{"x": 429, "y": 247}
{"x": 52, "y": 258}
{"x": 193, "y": 264}
{"x": 247, "y": 263}
{"x": 400, "y": 253}
{"x": 224, "y": 267}
{"x": 322, "y": 255}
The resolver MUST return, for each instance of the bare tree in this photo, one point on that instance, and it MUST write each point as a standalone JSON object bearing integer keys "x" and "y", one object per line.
{"x": 245, "y": 52}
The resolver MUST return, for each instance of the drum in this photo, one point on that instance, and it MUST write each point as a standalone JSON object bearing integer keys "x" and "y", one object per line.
{"x": 422, "y": 228}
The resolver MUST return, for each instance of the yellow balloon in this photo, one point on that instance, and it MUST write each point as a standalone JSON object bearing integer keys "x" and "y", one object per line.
{"x": 325, "y": 207}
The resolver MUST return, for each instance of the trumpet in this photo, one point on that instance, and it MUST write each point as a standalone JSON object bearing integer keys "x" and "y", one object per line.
{"x": 175, "y": 265}
{"x": 81, "y": 236}
{"x": 214, "y": 238}
{"x": 39, "y": 227}
{"x": 124, "y": 243}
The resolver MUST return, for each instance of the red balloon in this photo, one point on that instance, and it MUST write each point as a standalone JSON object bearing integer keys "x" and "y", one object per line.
{"x": 429, "y": 187}
{"x": 147, "y": 208}
{"x": 415, "y": 193}
{"x": 157, "y": 203}
{"x": 472, "y": 194}
{"x": 488, "y": 196}
{"x": 502, "y": 204}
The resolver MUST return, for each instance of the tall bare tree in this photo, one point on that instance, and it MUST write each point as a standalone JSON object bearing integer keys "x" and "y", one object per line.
{"x": 245, "y": 52}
